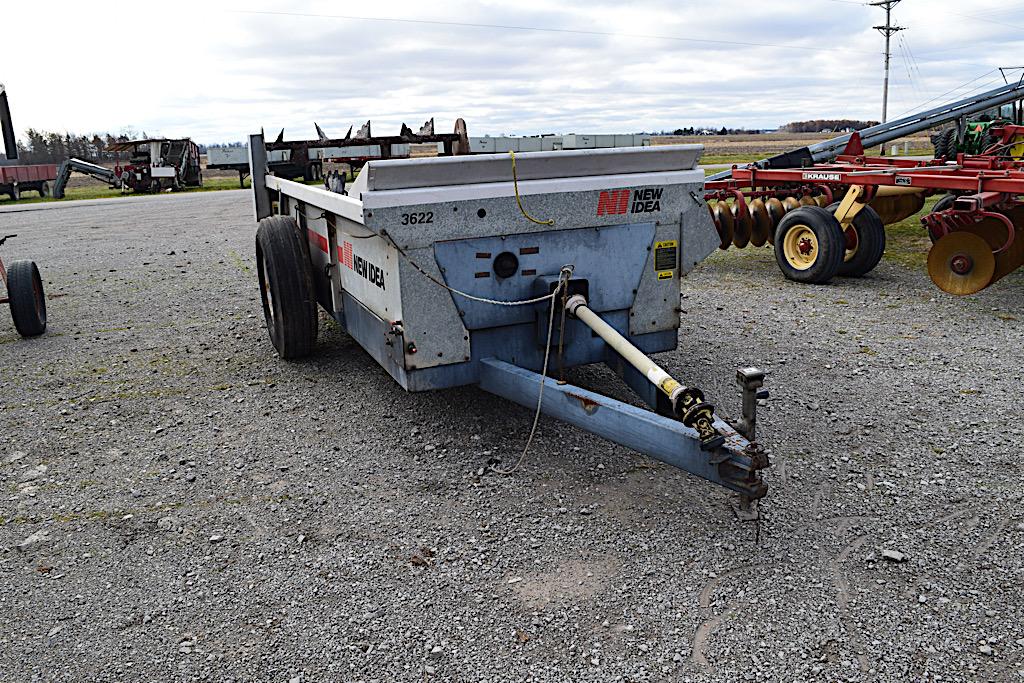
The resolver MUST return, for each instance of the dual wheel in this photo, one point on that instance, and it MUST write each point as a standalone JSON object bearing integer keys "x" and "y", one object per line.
{"x": 27, "y": 300}
{"x": 812, "y": 247}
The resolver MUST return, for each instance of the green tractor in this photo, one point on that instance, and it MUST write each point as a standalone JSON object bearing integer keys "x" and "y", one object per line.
{"x": 974, "y": 136}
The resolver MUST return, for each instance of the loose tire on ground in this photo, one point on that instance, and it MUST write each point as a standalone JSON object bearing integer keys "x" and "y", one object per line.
{"x": 809, "y": 245}
{"x": 27, "y": 299}
{"x": 286, "y": 287}
{"x": 44, "y": 189}
{"x": 866, "y": 244}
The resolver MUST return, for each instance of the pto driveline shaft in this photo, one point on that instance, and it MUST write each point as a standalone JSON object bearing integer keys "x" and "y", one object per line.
{"x": 687, "y": 402}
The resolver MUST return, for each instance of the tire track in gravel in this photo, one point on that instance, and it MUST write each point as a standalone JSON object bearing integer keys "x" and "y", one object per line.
{"x": 707, "y": 627}
{"x": 819, "y": 496}
{"x": 709, "y": 587}
{"x": 986, "y": 543}
{"x": 704, "y": 632}
{"x": 843, "y": 597}
{"x": 959, "y": 512}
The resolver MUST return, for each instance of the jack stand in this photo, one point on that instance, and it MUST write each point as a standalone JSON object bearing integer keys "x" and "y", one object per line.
{"x": 750, "y": 380}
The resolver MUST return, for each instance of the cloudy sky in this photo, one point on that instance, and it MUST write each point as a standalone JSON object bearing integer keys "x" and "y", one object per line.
{"x": 216, "y": 71}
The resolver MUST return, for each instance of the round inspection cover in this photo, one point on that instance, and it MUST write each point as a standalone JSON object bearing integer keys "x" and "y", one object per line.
{"x": 506, "y": 264}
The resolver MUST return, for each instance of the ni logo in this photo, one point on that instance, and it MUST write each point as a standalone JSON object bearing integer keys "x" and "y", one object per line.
{"x": 616, "y": 202}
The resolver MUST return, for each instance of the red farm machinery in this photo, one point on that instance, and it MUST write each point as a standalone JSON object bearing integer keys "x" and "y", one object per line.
{"x": 153, "y": 165}
{"x": 17, "y": 178}
{"x": 824, "y": 208}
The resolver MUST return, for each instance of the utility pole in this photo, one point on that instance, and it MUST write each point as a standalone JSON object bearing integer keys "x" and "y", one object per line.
{"x": 888, "y": 30}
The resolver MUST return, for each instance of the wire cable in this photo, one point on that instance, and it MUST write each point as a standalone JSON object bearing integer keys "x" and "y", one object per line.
{"x": 471, "y": 297}
{"x": 545, "y": 29}
{"x": 563, "y": 279}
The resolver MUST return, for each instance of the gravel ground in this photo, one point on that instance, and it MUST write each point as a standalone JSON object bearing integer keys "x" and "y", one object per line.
{"x": 178, "y": 504}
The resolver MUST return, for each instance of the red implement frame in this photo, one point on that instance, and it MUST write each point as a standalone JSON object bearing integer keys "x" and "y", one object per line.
{"x": 987, "y": 185}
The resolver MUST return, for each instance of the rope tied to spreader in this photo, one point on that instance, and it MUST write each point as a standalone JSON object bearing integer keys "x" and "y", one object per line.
{"x": 519, "y": 201}
{"x": 563, "y": 281}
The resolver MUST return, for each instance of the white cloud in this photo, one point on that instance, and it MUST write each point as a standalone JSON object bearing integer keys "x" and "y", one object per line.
{"x": 215, "y": 73}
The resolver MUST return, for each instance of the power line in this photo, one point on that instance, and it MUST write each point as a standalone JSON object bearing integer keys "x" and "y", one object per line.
{"x": 978, "y": 88}
{"x": 888, "y": 30}
{"x": 544, "y": 29}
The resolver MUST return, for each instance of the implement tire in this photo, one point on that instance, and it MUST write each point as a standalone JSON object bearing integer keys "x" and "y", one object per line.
{"x": 809, "y": 245}
{"x": 286, "y": 287}
{"x": 864, "y": 248}
{"x": 28, "y": 301}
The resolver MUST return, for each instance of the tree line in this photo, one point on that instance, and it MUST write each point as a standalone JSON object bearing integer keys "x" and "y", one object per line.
{"x": 827, "y": 125}
{"x": 46, "y": 147}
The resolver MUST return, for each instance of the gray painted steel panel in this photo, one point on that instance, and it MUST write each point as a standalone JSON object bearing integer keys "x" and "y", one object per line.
{"x": 489, "y": 168}
{"x": 570, "y": 190}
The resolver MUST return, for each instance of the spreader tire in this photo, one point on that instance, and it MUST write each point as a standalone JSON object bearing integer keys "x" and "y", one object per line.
{"x": 28, "y": 302}
{"x": 809, "y": 245}
{"x": 286, "y": 287}
{"x": 865, "y": 247}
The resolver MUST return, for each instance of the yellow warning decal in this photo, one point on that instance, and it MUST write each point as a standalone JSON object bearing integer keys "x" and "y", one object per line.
{"x": 665, "y": 275}
{"x": 666, "y": 255}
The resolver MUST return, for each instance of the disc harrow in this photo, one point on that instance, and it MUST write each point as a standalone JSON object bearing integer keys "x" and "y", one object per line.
{"x": 974, "y": 229}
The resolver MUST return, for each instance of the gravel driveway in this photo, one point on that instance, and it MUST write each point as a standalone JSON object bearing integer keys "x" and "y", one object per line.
{"x": 179, "y": 505}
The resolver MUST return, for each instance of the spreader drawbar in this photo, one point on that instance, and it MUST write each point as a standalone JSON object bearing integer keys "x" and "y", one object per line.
{"x": 692, "y": 439}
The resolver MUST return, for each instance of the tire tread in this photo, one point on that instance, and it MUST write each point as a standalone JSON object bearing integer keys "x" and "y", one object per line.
{"x": 293, "y": 329}
{"x": 29, "y": 320}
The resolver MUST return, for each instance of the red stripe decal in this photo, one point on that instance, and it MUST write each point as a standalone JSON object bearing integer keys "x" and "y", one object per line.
{"x": 319, "y": 240}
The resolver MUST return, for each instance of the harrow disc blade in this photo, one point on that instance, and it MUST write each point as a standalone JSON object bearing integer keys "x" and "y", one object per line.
{"x": 994, "y": 232}
{"x": 743, "y": 226}
{"x": 821, "y": 200}
{"x": 807, "y": 201}
{"x": 776, "y": 210}
{"x": 791, "y": 203}
{"x": 961, "y": 263}
{"x": 895, "y": 208}
{"x": 763, "y": 224}
{"x": 724, "y": 223}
